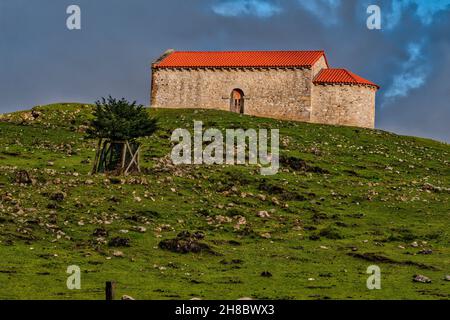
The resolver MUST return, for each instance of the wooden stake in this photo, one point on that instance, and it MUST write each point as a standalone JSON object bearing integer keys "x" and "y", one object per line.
{"x": 124, "y": 154}
{"x": 110, "y": 290}
{"x": 133, "y": 159}
{"x": 97, "y": 154}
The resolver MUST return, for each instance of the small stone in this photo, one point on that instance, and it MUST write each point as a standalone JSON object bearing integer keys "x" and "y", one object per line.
{"x": 414, "y": 244}
{"x": 421, "y": 278}
{"x": 118, "y": 254}
{"x": 263, "y": 214}
{"x": 100, "y": 232}
{"x": 426, "y": 251}
{"x": 266, "y": 235}
{"x": 266, "y": 274}
{"x": 58, "y": 196}
{"x": 50, "y": 163}
{"x": 140, "y": 229}
{"x": 89, "y": 182}
{"x": 447, "y": 277}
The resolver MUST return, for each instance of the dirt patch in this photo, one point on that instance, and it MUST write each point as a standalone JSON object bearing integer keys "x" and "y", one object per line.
{"x": 301, "y": 165}
{"x": 284, "y": 194}
{"x": 185, "y": 242}
{"x": 119, "y": 242}
{"x": 375, "y": 257}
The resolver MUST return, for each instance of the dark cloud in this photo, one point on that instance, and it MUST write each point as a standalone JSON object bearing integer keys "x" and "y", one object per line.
{"x": 42, "y": 62}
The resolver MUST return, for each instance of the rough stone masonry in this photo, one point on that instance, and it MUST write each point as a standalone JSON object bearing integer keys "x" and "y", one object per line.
{"x": 291, "y": 85}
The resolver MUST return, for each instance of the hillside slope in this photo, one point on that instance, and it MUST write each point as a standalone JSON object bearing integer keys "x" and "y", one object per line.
{"x": 344, "y": 199}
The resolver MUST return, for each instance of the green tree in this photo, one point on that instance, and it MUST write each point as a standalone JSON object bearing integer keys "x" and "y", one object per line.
{"x": 120, "y": 120}
{"x": 117, "y": 124}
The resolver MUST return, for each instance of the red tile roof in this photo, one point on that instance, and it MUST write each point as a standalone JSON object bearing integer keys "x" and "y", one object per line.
{"x": 341, "y": 76}
{"x": 235, "y": 59}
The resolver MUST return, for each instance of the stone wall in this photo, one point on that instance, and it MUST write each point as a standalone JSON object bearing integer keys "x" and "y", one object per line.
{"x": 276, "y": 93}
{"x": 319, "y": 65}
{"x": 350, "y": 105}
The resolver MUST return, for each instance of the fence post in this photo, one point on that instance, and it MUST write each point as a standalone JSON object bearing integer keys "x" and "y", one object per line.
{"x": 110, "y": 290}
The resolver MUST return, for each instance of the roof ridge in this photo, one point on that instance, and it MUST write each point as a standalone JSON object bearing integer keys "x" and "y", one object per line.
{"x": 352, "y": 75}
{"x": 254, "y": 58}
{"x": 352, "y": 78}
{"x": 238, "y": 51}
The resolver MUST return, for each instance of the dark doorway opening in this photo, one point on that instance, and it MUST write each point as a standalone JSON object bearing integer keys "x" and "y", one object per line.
{"x": 237, "y": 101}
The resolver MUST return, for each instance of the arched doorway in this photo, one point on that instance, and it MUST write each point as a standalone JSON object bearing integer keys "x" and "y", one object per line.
{"x": 237, "y": 101}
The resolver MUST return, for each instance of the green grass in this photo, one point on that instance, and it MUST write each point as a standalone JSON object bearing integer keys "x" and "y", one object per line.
{"x": 382, "y": 193}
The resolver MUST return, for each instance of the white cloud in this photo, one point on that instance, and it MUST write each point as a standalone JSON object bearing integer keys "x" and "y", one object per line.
{"x": 424, "y": 9}
{"x": 413, "y": 73}
{"x": 325, "y": 10}
{"x": 235, "y": 8}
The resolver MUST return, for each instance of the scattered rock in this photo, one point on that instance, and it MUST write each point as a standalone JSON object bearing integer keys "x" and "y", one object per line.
{"x": 89, "y": 182}
{"x": 58, "y": 196}
{"x": 125, "y": 297}
{"x": 266, "y": 235}
{"x": 100, "y": 232}
{"x": 140, "y": 229}
{"x": 35, "y": 114}
{"x": 118, "y": 254}
{"x": 414, "y": 244}
{"x": 421, "y": 278}
{"x": 241, "y": 221}
{"x": 22, "y": 177}
{"x": 199, "y": 235}
{"x": 263, "y": 214}
{"x": 426, "y": 251}
{"x": 431, "y": 188}
{"x": 447, "y": 278}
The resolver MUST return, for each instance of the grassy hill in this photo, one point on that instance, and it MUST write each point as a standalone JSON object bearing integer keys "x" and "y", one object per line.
{"x": 344, "y": 199}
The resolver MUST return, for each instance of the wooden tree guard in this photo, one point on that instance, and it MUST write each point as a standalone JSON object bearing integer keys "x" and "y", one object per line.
{"x": 119, "y": 157}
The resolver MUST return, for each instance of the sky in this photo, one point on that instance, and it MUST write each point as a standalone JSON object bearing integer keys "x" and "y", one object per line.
{"x": 42, "y": 61}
